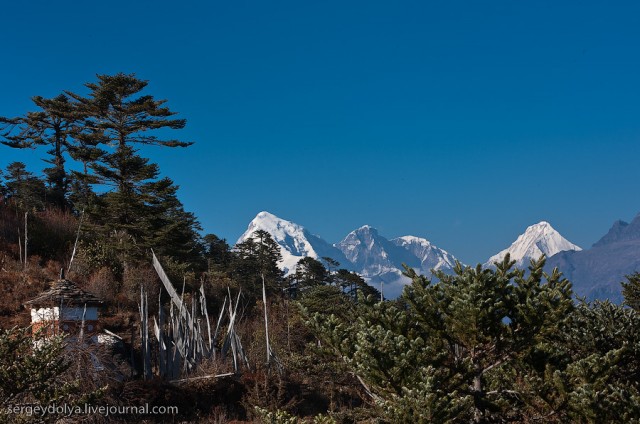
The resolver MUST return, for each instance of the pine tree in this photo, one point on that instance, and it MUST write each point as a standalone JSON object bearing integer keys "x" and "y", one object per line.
{"x": 138, "y": 207}
{"x": 54, "y": 125}
{"x": 310, "y": 272}
{"x": 596, "y": 374}
{"x": 354, "y": 285}
{"x": 454, "y": 350}
{"x": 254, "y": 258}
{"x": 173, "y": 231}
{"x": 631, "y": 291}
{"x": 26, "y": 191}
{"x": 29, "y": 373}
{"x": 217, "y": 252}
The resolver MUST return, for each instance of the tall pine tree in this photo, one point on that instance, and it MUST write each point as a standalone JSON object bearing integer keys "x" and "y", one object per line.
{"x": 53, "y": 125}
{"x": 137, "y": 205}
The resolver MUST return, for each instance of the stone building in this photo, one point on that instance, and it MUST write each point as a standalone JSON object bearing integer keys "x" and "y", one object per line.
{"x": 62, "y": 309}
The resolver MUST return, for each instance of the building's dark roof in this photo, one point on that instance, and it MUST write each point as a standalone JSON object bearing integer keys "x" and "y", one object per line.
{"x": 66, "y": 293}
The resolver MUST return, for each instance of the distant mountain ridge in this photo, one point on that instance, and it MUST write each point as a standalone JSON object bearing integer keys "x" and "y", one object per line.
{"x": 378, "y": 259}
{"x": 596, "y": 273}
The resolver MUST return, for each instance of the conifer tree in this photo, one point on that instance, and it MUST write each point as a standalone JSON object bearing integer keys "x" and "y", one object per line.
{"x": 117, "y": 120}
{"x": 31, "y": 374}
{"x": 25, "y": 190}
{"x": 454, "y": 350}
{"x": 595, "y": 375}
{"x": 631, "y": 291}
{"x": 217, "y": 252}
{"x": 310, "y": 272}
{"x": 54, "y": 125}
{"x": 255, "y": 257}
{"x": 354, "y": 285}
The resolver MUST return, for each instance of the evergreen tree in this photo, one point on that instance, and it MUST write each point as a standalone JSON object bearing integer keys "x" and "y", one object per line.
{"x": 457, "y": 349}
{"x": 310, "y": 273}
{"x": 138, "y": 206}
{"x": 254, "y": 258}
{"x": 172, "y": 231}
{"x": 595, "y": 375}
{"x": 217, "y": 252}
{"x": 54, "y": 126}
{"x": 331, "y": 265}
{"x": 354, "y": 285}
{"x": 26, "y": 191}
{"x": 31, "y": 374}
{"x": 631, "y": 291}
{"x": 327, "y": 300}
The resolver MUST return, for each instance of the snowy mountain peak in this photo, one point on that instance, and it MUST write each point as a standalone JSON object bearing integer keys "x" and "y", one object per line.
{"x": 365, "y": 229}
{"x": 294, "y": 240}
{"x": 538, "y": 239}
{"x": 431, "y": 257}
{"x": 405, "y": 240}
{"x": 270, "y": 223}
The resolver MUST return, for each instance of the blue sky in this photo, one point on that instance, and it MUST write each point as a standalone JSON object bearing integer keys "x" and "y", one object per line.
{"x": 456, "y": 121}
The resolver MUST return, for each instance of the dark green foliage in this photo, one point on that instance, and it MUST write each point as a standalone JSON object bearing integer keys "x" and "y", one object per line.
{"x": 217, "y": 252}
{"x": 134, "y": 209}
{"x": 354, "y": 285}
{"x": 53, "y": 125}
{"x": 328, "y": 300}
{"x": 140, "y": 209}
{"x": 330, "y": 264}
{"x": 310, "y": 273}
{"x": 631, "y": 291}
{"x": 254, "y": 258}
{"x": 29, "y": 373}
{"x": 456, "y": 349}
{"x": 600, "y": 380}
{"x": 26, "y": 191}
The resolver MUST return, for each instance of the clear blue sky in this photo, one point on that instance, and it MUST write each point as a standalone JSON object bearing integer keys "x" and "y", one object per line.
{"x": 461, "y": 122}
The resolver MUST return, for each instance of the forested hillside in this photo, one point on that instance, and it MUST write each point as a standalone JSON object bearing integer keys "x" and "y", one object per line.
{"x": 480, "y": 345}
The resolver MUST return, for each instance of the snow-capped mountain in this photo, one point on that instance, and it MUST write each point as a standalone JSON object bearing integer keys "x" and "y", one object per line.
{"x": 380, "y": 260}
{"x": 371, "y": 254}
{"x": 294, "y": 240}
{"x": 595, "y": 273}
{"x": 364, "y": 251}
{"x": 537, "y": 240}
{"x": 430, "y": 256}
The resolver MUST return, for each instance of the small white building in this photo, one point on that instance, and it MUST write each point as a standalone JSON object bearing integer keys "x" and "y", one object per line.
{"x": 62, "y": 309}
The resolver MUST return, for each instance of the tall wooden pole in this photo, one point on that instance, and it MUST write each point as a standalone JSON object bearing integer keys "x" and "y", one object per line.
{"x": 26, "y": 238}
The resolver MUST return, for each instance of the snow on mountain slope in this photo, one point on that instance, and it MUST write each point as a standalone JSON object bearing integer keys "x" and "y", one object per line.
{"x": 537, "y": 239}
{"x": 294, "y": 240}
{"x": 372, "y": 254}
{"x": 430, "y": 256}
{"x": 380, "y": 260}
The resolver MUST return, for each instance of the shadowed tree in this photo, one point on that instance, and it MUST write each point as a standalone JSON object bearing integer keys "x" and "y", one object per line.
{"x": 26, "y": 191}
{"x": 117, "y": 120}
{"x": 631, "y": 291}
{"x": 54, "y": 125}
{"x": 255, "y": 257}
